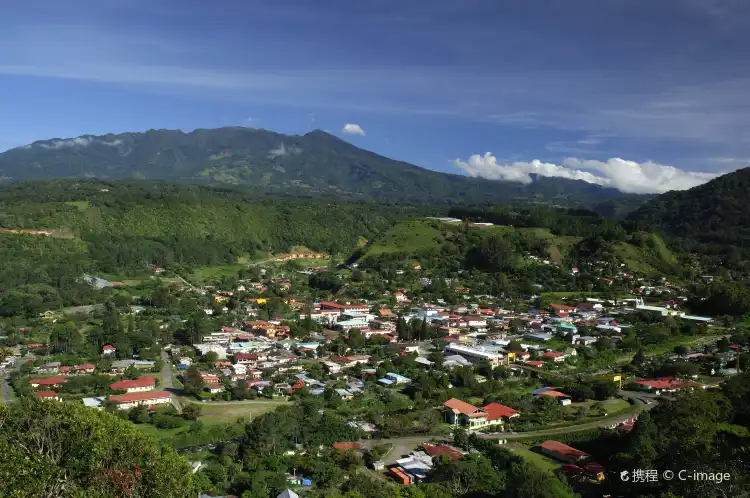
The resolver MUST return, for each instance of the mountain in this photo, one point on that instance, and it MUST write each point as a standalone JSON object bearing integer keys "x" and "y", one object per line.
{"x": 715, "y": 213}
{"x": 316, "y": 163}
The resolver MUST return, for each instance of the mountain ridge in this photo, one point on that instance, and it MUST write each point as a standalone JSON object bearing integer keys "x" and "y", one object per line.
{"x": 316, "y": 163}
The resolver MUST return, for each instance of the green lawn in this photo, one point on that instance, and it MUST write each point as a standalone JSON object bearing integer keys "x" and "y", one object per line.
{"x": 534, "y": 458}
{"x": 217, "y": 413}
{"x": 156, "y": 433}
{"x": 611, "y": 406}
{"x": 80, "y": 205}
{"x": 205, "y": 273}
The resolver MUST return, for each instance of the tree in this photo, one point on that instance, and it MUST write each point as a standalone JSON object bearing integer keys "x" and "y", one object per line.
{"x": 460, "y": 438}
{"x": 356, "y": 339}
{"x": 639, "y": 357}
{"x": 211, "y": 357}
{"x": 66, "y": 449}
{"x": 193, "y": 381}
{"x": 680, "y": 350}
{"x": 139, "y": 415}
{"x": 191, "y": 411}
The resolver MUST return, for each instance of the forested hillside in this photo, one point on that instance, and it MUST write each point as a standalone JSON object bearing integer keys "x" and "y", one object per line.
{"x": 117, "y": 227}
{"x": 316, "y": 163}
{"x": 713, "y": 213}
{"x": 518, "y": 238}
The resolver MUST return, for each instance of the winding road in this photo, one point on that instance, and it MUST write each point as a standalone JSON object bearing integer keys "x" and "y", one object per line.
{"x": 403, "y": 445}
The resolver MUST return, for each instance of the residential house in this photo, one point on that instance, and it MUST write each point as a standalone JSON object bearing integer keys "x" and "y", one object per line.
{"x": 475, "y": 355}
{"x": 394, "y": 379}
{"x": 108, "y": 349}
{"x": 460, "y": 413}
{"x": 47, "y": 395}
{"x": 85, "y": 368}
{"x": 48, "y": 381}
{"x": 554, "y": 356}
{"x": 213, "y": 387}
{"x": 128, "y": 401}
{"x": 139, "y": 385}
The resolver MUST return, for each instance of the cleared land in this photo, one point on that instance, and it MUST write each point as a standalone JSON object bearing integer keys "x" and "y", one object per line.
{"x": 533, "y": 457}
{"x": 216, "y": 413}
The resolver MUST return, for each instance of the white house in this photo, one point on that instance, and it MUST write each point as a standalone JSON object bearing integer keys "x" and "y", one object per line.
{"x": 128, "y": 401}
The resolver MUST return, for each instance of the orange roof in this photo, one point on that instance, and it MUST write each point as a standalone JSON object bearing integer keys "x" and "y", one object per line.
{"x": 464, "y": 408}
{"x": 496, "y": 411}
{"x": 46, "y": 394}
{"x": 554, "y": 394}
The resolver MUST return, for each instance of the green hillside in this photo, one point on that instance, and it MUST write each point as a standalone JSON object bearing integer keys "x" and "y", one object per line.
{"x": 120, "y": 229}
{"x": 436, "y": 244}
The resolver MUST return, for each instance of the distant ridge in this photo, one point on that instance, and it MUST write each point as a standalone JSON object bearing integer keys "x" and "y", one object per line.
{"x": 316, "y": 163}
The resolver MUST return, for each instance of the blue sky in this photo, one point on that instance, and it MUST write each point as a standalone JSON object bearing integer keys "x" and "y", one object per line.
{"x": 640, "y": 95}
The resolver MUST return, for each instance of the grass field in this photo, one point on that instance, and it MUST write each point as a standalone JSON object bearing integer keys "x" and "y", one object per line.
{"x": 217, "y": 413}
{"x": 156, "y": 433}
{"x": 611, "y": 406}
{"x": 534, "y": 458}
{"x": 205, "y": 273}
{"x": 408, "y": 236}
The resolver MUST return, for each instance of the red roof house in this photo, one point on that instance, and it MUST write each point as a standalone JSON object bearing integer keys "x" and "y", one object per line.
{"x": 563, "y": 452}
{"x": 441, "y": 449}
{"x": 46, "y": 395}
{"x": 127, "y": 401}
{"x": 496, "y": 411}
{"x": 563, "y": 308}
{"x": 134, "y": 386}
{"x": 49, "y": 381}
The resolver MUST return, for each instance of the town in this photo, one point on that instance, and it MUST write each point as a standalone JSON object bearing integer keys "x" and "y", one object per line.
{"x": 414, "y": 378}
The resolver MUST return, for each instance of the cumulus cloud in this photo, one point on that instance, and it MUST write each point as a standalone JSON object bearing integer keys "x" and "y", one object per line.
{"x": 353, "y": 129}
{"x": 626, "y": 176}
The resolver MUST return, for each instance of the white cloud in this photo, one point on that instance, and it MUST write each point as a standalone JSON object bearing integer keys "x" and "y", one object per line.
{"x": 78, "y": 142}
{"x": 71, "y": 142}
{"x": 283, "y": 150}
{"x": 353, "y": 129}
{"x": 626, "y": 176}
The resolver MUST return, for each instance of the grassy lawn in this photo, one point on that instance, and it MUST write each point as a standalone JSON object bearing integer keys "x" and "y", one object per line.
{"x": 156, "y": 433}
{"x": 217, "y": 413}
{"x": 80, "y": 205}
{"x": 611, "y": 406}
{"x": 211, "y": 272}
{"x": 537, "y": 459}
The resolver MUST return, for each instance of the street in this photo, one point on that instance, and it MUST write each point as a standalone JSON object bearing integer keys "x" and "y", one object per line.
{"x": 166, "y": 372}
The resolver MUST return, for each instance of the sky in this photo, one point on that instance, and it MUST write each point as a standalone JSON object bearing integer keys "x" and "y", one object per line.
{"x": 641, "y": 95}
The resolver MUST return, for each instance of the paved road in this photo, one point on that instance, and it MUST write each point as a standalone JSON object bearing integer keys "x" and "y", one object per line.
{"x": 6, "y": 377}
{"x": 166, "y": 372}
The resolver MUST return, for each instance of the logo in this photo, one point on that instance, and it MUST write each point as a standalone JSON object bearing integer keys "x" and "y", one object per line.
{"x": 624, "y": 475}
